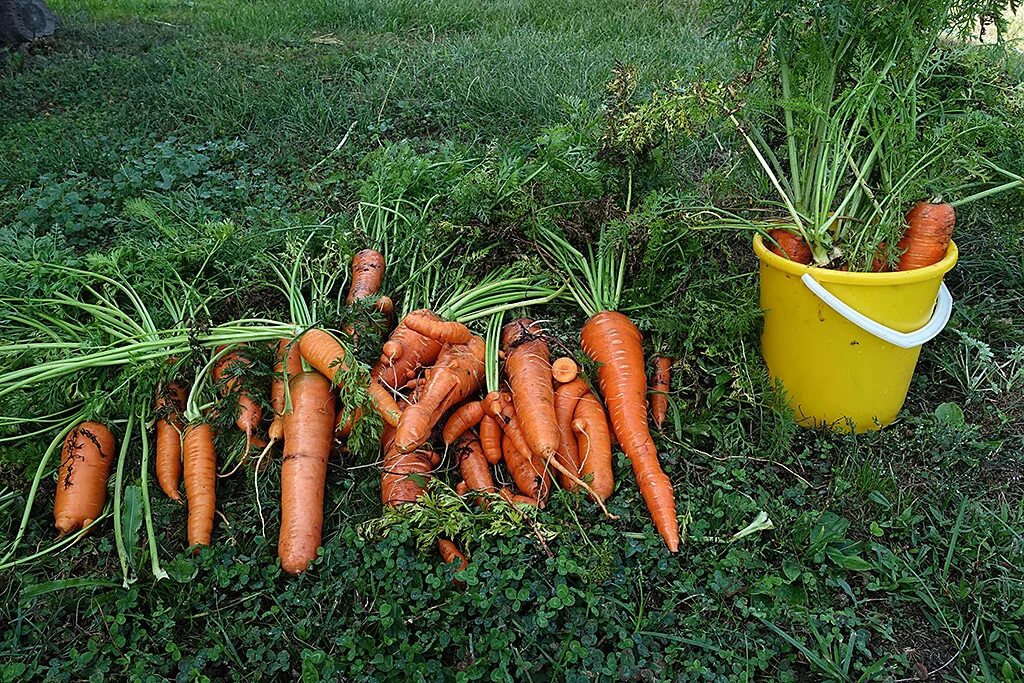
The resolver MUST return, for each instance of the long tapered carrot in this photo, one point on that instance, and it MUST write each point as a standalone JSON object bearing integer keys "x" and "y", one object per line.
{"x": 661, "y": 384}
{"x": 490, "y": 439}
{"x": 289, "y": 364}
{"x": 566, "y": 397}
{"x": 457, "y": 374}
{"x": 613, "y": 341}
{"x": 431, "y": 325}
{"x": 328, "y": 357}
{"x": 307, "y": 445}
{"x": 594, "y": 445}
{"x": 170, "y": 401}
{"x": 790, "y": 245}
{"x": 200, "y": 461}
{"x": 926, "y": 240}
{"x": 466, "y": 416}
{"x": 528, "y": 367}
{"x": 86, "y": 459}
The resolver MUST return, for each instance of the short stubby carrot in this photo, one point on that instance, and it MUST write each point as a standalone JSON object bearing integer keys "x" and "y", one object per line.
{"x": 85, "y": 463}
{"x": 170, "y": 401}
{"x": 200, "y": 461}
{"x": 790, "y": 245}
{"x": 661, "y": 384}
{"x": 490, "y": 439}
{"x": 564, "y": 370}
{"x": 612, "y": 340}
{"x": 594, "y": 444}
{"x": 367, "y": 275}
{"x": 308, "y": 429}
{"x": 929, "y": 229}
{"x": 466, "y": 416}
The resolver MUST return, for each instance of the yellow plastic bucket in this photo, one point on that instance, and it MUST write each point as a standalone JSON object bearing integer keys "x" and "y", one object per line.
{"x": 844, "y": 345}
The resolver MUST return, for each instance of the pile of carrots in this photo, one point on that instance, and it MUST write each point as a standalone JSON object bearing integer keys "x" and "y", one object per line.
{"x": 924, "y": 243}
{"x": 543, "y": 421}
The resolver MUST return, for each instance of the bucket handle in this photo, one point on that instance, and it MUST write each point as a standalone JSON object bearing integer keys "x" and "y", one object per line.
{"x": 904, "y": 340}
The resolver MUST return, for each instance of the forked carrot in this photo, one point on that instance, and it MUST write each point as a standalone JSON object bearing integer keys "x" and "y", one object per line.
{"x": 431, "y": 325}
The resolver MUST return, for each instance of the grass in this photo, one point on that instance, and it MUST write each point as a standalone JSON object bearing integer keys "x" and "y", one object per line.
{"x": 152, "y": 126}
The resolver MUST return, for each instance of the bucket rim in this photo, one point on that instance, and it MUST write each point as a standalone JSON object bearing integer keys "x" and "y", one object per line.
{"x": 904, "y": 277}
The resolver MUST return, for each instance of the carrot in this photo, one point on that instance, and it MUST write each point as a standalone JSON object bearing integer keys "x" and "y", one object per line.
{"x": 307, "y": 444}
{"x": 200, "y": 462}
{"x": 490, "y": 439}
{"x": 461, "y": 488}
{"x": 929, "y": 229}
{"x": 660, "y": 386}
{"x": 327, "y": 356}
{"x": 457, "y": 374}
{"x": 403, "y": 472}
{"x": 431, "y": 325}
{"x": 169, "y": 404}
{"x": 790, "y": 245}
{"x": 86, "y": 459}
{"x": 289, "y": 364}
{"x": 473, "y": 466}
{"x": 249, "y": 412}
{"x": 566, "y": 397}
{"x": 403, "y": 355}
{"x": 516, "y": 498}
{"x": 613, "y": 341}
{"x": 468, "y": 415}
{"x": 342, "y": 426}
{"x": 449, "y": 553}
{"x": 595, "y": 445}
{"x": 564, "y": 370}
{"x": 528, "y": 367}
{"x": 529, "y": 478}
{"x": 367, "y": 275}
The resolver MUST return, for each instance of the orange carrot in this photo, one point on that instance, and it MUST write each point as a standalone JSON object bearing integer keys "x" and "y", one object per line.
{"x": 431, "y": 325}
{"x": 327, "y": 356}
{"x": 929, "y": 229}
{"x": 468, "y": 415}
{"x": 169, "y": 404}
{"x": 528, "y": 367}
{"x": 403, "y": 472}
{"x": 790, "y": 245}
{"x": 564, "y": 370}
{"x": 343, "y": 426}
{"x": 403, "y": 355}
{"x": 86, "y": 459}
{"x": 307, "y": 445}
{"x": 566, "y": 397}
{"x": 473, "y": 467}
{"x": 249, "y": 412}
{"x": 367, "y": 275}
{"x": 660, "y": 386}
{"x": 529, "y": 478}
{"x": 594, "y": 444}
{"x": 614, "y": 343}
{"x": 200, "y": 462}
{"x": 457, "y": 374}
{"x": 289, "y": 364}
{"x": 449, "y": 553}
{"x": 490, "y": 439}
{"x": 517, "y": 498}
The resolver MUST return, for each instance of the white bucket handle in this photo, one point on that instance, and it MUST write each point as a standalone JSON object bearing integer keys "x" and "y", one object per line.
{"x": 904, "y": 340}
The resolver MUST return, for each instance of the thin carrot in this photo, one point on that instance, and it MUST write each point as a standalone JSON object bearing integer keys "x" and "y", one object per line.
{"x": 926, "y": 240}
{"x": 790, "y": 245}
{"x": 528, "y": 367}
{"x": 564, "y": 370}
{"x": 249, "y": 412}
{"x": 457, "y": 374}
{"x": 449, "y": 553}
{"x": 200, "y": 462}
{"x": 490, "y": 439}
{"x": 660, "y": 386}
{"x": 307, "y": 445}
{"x": 566, "y": 397}
{"x": 466, "y": 416}
{"x": 613, "y": 341}
{"x": 431, "y": 325}
{"x": 86, "y": 459}
{"x": 170, "y": 401}
{"x": 289, "y": 364}
{"x": 594, "y": 444}
{"x": 473, "y": 466}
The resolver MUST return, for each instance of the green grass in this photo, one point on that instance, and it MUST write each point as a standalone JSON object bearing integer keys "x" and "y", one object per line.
{"x": 893, "y": 555}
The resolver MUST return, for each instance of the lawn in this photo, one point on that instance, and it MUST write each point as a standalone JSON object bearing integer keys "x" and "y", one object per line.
{"x": 152, "y": 133}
